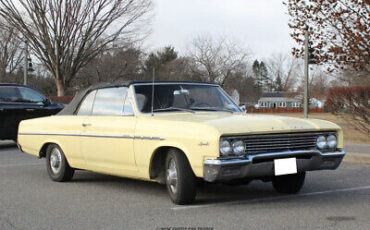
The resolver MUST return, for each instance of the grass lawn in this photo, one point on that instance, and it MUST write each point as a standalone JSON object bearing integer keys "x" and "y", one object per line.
{"x": 350, "y": 133}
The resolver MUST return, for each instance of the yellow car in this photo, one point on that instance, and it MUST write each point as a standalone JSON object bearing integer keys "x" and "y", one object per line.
{"x": 179, "y": 133}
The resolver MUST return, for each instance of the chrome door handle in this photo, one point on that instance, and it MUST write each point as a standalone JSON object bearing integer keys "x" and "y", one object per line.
{"x": 86, "y": 124}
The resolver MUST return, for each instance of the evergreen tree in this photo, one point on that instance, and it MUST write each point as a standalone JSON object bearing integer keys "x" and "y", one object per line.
{"x": 159, "y": 60}
{"x": 168, "y": 54}
{"x": 261, "y": 75}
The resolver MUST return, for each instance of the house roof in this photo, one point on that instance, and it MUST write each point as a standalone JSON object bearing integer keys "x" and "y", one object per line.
{"x": 278, "y": 99}
{"x": 272, "y": 94}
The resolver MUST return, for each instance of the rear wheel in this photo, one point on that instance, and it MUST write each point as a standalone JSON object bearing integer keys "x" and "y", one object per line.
{"x": 180, "y": 179}
{"x": 57, "y": 165}
{"x": 289, "y": 183}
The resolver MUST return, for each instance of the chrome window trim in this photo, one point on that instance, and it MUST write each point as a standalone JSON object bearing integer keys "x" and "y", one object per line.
{"x": 133, "y": 101}
{"x": 82, "y": 101}
{"x": 121, "y": 115}
{"x": 97, "y": 135}
{"x": 175, "y": 83}
{"x": 232, "y": 101}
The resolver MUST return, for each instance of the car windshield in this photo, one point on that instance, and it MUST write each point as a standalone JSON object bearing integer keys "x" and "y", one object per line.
{"x": 183, "y": 97}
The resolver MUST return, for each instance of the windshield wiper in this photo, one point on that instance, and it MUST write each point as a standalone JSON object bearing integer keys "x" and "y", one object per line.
{"x": 174, "y": 108}
{"x": 210, "y": 109}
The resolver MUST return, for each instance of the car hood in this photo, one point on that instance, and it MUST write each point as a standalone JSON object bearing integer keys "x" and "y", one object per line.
{"x": 235, "y": 124}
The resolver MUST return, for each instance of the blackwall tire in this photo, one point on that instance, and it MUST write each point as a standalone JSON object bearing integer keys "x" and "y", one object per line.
{"x": 57, "y": 165}
{"x": 180, "y": 179}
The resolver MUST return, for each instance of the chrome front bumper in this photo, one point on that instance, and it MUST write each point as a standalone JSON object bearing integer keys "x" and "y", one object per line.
{"x": 262, "y": 165}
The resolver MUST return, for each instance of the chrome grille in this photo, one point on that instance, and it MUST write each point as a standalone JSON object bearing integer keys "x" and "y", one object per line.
{"x": 265, "y": 143}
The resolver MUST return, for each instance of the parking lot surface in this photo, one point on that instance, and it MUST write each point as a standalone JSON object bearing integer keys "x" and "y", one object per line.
{"x": 337, "y": 199}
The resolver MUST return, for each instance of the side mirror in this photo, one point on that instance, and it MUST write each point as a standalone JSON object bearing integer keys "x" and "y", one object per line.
{"x": 243, "y": 108}
{"x": 46, "y": 102}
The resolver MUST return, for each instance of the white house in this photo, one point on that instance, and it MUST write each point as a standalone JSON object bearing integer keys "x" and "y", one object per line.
{"x": 278, "y": 100}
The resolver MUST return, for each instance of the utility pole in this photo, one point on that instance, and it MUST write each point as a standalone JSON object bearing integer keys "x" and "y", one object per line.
{"x": 306, "y": 69}
{"x": 25, "y": 69}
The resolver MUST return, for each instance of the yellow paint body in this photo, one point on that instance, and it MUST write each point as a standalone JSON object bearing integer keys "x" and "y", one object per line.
{"x": 124, "y": 145}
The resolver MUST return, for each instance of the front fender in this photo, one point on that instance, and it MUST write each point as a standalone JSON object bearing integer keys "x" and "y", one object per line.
{"x": 194, "y": 152}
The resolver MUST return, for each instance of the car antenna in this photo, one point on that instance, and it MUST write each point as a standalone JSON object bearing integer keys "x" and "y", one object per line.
{"x": 153, "y": 92}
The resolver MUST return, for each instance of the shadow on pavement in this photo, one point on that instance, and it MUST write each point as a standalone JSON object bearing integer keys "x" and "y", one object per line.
{"x": 207, "y": 193}
{"x": 7, "y": 144}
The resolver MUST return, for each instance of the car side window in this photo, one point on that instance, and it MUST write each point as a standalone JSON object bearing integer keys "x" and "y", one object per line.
{"x": 9, "y": 94}
{"x": 86, "y": 106}
{"x": 30, "y": 95}
{"x": 127, "y": 108}
{"x": 109, "y": 102}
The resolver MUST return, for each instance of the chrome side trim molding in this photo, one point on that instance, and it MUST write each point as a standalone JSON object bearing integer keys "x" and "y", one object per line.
{"x": 97, "y": 135}
{"x": 149, "y": 138}
{"x": 50, "y": 134}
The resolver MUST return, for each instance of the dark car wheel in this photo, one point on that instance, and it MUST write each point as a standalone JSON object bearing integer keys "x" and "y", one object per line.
{"x": 289, "y": 183}
{"x": 180, "y": 179}
{"x": 57, "y": 165}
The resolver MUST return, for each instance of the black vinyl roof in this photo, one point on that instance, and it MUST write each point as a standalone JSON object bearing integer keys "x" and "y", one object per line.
{"x": 71, "y": 108}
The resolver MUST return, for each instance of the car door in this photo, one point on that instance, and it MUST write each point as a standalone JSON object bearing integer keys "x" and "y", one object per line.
{"x": 107, "y": 135}
{"x": 15, "y": 108}
{"x": 39, "y": 105}
{"x": 33, "y": 102}
{"x": 10, "y": 112}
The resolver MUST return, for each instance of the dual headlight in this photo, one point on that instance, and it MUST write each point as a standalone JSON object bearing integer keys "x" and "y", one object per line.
{"x": 323, "y": 142}
{"x": 231, "y": 147}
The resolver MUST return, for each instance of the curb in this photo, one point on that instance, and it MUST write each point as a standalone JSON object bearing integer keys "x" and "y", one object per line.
{"x": 359, "y": 158}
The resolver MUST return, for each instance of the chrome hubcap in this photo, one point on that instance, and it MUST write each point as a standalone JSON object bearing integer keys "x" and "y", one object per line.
{"x": 172, "y": 176}
{"x": 55, "y": 160}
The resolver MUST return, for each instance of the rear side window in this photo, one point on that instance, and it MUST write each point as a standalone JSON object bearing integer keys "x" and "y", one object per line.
{"x": 86, "y": 105}
{"x": 127, "y": 108}
{"x": 9, "y": 94}
{"x": 109, "y": 102}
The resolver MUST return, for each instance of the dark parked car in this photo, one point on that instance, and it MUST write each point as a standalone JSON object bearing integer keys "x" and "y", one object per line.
{"x": 18, "y": 102}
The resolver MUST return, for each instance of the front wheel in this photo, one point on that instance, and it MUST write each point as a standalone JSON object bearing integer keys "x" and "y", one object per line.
{"x": 289, "y": 183}
{"x": 180, "y": 179}
{"x": 57, "y": 165}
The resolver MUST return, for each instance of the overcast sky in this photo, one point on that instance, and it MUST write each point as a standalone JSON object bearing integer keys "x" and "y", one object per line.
{"x": 260, "y": 25}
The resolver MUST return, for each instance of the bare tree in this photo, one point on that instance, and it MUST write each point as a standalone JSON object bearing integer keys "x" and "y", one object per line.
{"x": 118, "y": 63}
{"x": 351, "y": 78}
{"x": 319, "y": 82}
{"x": 10, "y": 50}
{"x": 352, "y": 105}
{"x": 67, "y": 34}
{"x": 217, "y": 61}
{"x": 284, "y": 69}
{"x": 179, "y": 69}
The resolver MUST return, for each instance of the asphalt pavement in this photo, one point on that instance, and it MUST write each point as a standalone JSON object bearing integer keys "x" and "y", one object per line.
{"x": 338, "y": 199}
{"x": 357, "y": 148}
